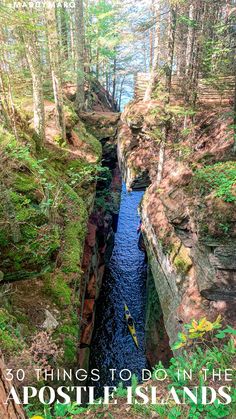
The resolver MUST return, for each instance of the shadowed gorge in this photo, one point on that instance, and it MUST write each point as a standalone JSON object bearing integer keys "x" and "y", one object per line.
{"x": 124, "y": 282}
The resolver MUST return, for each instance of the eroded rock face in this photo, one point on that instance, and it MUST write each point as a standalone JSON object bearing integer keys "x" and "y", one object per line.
{"x": 156, "y": 338}
{"x": 192, "y": 259}
{"x": 101, "y": 124}
{"x": 97, "y": 252}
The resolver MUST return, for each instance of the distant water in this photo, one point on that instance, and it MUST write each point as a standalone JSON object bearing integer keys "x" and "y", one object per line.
{"x": 112, "y": 344}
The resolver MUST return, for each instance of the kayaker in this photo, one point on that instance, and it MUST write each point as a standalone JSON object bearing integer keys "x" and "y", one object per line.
{"x": 130, "y": 322}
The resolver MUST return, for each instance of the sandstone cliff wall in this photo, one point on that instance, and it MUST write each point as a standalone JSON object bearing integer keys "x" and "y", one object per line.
{"x": 188, "y": 225}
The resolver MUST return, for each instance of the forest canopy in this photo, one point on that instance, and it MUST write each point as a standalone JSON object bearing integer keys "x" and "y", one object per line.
{"x": 45, "y": 45}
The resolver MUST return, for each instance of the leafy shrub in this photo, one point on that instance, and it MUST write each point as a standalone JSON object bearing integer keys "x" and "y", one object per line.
{"x": 196, "y": 330}
{"x": 219, "y": 354}
{"x": 220, "y": 178}
{"x": 205, "y": 350}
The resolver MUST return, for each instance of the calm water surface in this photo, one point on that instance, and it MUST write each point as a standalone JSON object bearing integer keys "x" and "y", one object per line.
{"x": 112, "y": 345}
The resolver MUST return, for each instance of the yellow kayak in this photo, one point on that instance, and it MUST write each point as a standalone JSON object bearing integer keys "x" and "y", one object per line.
{"x": 130, "y": 324}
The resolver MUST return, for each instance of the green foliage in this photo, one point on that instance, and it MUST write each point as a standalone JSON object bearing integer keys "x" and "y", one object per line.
{"x": 88, "y": 173}
{"x": 25, "y": 182}
{"x": 196, "y": 330}
{"x": 211, "y": 357}
{"x": 10, "y": 338}
{"x": 45, "y": 217}
{"x": 70, "y": 350}
{"x": 58, "y": 289}
{"x": 70, "y": 114}
{"x": 66, "y": 411}
{"x": 93, "y": 144}
{"x": 183, "y": 151}
{"x": 219, "y": 178}
{"x": 187, "y": 21}
{"x": 228, "y": 331}
{"x": 62, "y": 411}
{"x": 134, "y": 382}
{"x": 180, "y": 111}
{"x": 103, "y": 34}
{"x": 74, "y": 235}
{"x": 121, "y": 390}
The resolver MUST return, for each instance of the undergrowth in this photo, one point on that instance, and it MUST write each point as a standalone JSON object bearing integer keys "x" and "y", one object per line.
{"x": 206, "y": 346}
{"x": 219, "y": 178}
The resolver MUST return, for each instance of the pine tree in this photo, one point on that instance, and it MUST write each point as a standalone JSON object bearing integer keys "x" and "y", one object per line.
{"x": 80, "y": 53}
{"x": 33, "y": 58}
{"x": 55, "y": 64}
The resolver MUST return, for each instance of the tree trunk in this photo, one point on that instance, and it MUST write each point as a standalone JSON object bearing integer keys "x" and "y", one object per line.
{"x": 32, "y": 55}
{"x": 121, "y": 92}
{"x": 114, "y": 84}
{"x": 161, "y": 162}
{"x": 10, "y": 410}
{"x": 151, "y": 48}
{"x": 64, "y": 32}
{"x": 4, "y": 106}
{"x": 191, "y": 52}
{"x": 97, "y": 64}
{"x": 181, "y": 44}
{"x": 171, "y": 48}
{"x": 6, "y": 68}
{"x": 54, "y": 54}
{"x": 197, "y": 51}
{"x": 190, "y": 41}
{"x": 72, "y": 43}
{"x": 87, "y": 41}
{"x": 79, "y": 30}
{"x": 154, "y": 71}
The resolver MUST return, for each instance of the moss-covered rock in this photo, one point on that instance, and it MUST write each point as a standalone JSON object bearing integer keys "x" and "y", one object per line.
{"x": 89, "y": 139}
{"x": 45, "y": 198}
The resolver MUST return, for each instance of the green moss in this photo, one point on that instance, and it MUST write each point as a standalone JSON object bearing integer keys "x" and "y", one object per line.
{"x": 25, "y": 212}
{"x": 45, "y": 215}
{"x": 10, "y": 339}
{"x": 70, "y": 350}
{"x": 69, "y": 329}
{"x": 29, "y": 231}
{"x": 74, "y": 236}
{"x": 70, "y": 115}
{"x": 89, "y": 139}
{"x": 68, "y": 333}
{"x": 57, "y": 289}
{"x": 36, "y": 250}
{"x": 4, "y": 239}
{"x": 182, "y": 265}
{"x": 24, "y": 182}
{"x": 74, "y": 232}
{"x": 8, "y": 342}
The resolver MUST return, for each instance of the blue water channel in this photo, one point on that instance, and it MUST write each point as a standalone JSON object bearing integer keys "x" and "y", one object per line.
{"x": 112, "y": 344}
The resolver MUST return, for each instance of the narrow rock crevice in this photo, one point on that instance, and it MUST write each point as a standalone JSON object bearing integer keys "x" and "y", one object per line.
{"x": 99, "y": 242}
